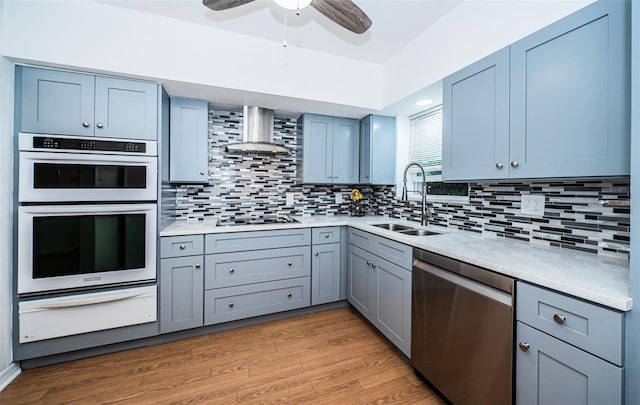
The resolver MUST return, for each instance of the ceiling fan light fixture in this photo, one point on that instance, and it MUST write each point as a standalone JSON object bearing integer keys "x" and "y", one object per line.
{"x": 293, "y": 4}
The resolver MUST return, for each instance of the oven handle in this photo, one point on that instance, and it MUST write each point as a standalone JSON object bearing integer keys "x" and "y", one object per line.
{"x": 479, "y": 288}
{"x": 80, "y": 301}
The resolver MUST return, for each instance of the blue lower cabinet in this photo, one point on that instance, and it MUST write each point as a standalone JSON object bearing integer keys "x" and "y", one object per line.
{"x": 325, "y": 273}
{"x": 550, "y": 371}
{"x": 181, "y": 293}
{"x": 233, "y": 303}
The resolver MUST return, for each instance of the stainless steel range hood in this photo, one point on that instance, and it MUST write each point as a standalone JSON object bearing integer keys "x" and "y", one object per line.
{"x": 257, "y": 133}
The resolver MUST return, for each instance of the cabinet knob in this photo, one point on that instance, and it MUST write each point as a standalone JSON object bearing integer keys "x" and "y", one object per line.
{"x": 335, "y": 176}
{"x": 329, "y": 176}
{"x": 499, "y": 165}
{"x": 368, "y": 263}
{"x": 374, "y": 265}
{"x": 315, "y": 254}
{"x": 289, "y": 295}
{"x": 514, "y": 163}
{"x": 326, "y": 235}
{"x": 232, "y": 270}
{"x": 560, "y": 319}
{"x": 202, "y": 173}
{"x": 182, "y": 246}
{"x": 231, "y": 305}
{"x": 99, "y": 125}
{"x": 197, "y": 265}
{"x": 289, "y": 264}
{"x": 523, "y": 346}
{"x": 366, "y": 176}
{"x": 85, "y": 124}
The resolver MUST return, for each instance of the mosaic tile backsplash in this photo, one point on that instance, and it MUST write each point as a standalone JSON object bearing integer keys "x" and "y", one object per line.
{"x": 587, "y": 215}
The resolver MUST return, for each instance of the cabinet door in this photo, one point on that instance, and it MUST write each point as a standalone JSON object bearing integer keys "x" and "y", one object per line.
{"x": 325, "y": 273}
{"x": 346, "y": 151}
{"x": 570, "y": 96}
{"x": 365, "y": 149}
{"x": 393, "y": 303}
{"x": 317, "y": 150}
{"x": 181, "y": 293}
{"x": 126, "y": 109}
{"x": 56, "y": 102}
{"x": 475, "y": 140}
{"x": 383, "y": 150}
{"x": 553, "y": 372}
{"x": 188, "y": 150}
{"x": 359, "y": 281}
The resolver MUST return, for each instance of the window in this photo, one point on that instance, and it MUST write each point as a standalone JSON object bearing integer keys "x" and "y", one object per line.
{"x": 426, "y": 149}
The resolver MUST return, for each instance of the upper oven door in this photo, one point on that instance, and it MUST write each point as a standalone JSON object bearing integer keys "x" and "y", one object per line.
{"x": 77, "y": 177}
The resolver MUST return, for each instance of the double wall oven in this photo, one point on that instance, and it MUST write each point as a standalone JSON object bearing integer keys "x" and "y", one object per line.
{"x": 87, "y": 218}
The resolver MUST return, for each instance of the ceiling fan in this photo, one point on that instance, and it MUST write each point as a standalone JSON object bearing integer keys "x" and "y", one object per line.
{"x": 343, "y": 12}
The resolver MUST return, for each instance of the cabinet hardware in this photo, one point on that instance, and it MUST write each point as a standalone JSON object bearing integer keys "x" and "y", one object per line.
{"x": 289, "y": 263}
{"x": 560, "y": 319}
{"x": 514, "y": 163}
{"x": 182, "y": 246}
{"x": 99, "y": 125}
{"x": 202, "y": 173}
{"x": 289, "y": 295}
{"x": 326, "y": 235}
{"x": 523, "y": 346}
{"x": 85, "y": 124}
{"x": 197, "y": 265}
{"x": 315, "y": 254}
{"x": 368, "y": 263}
{"x": 231, "y": 305}
{"x": 335, "y": 177}
{"x": 374, "y": 265}
{"x": 499, "y": 165}
{"x": 232, "y": 270}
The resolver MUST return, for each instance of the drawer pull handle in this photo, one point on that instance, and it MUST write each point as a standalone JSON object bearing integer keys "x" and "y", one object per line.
{"x": 326, "y": 235}
{"x": 231, "y": 305}
{"x": 182, "y": 246}
{"x": 560, "y": 319}
{"x": 197, "y": 265}
{"x": 523, "y": 346}
{"x": 316, "y": 254}
{"x": 289, "y": 295}
{"x": 232, "y": 270}
{"x": 289, "y": 264}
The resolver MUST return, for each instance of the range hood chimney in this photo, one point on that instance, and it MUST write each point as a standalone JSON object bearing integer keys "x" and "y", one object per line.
{"x": 257, "y": 133}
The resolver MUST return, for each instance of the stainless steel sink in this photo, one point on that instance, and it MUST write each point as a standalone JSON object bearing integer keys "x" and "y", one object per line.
{"x": 393, "y": 227}
{"x": 418, "y": 232}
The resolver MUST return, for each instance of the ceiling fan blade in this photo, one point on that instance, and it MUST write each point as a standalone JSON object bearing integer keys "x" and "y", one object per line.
{"x": 219, "y": 5}
{"x": 344, "y": 13}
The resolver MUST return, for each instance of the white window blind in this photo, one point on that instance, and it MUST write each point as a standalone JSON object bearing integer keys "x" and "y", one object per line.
{"x": 426, "y": 141}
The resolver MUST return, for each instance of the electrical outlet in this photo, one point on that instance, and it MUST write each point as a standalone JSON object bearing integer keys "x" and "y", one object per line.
{"x": 338, "y": 198}
{"x": 289, "y": 199}
{"x": 532, "y": 204}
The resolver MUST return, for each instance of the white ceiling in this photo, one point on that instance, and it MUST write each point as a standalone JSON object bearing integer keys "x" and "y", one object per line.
{"x": 395, "y": 23}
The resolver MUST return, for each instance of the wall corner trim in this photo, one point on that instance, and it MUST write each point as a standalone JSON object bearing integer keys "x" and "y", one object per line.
{"x": 9, "y": 374}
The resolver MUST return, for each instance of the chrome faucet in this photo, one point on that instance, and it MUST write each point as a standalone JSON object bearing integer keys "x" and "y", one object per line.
{"x": 425, "y": 213}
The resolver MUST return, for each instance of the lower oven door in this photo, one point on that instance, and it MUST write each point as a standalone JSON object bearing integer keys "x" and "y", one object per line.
{"x": 64, "y": 247}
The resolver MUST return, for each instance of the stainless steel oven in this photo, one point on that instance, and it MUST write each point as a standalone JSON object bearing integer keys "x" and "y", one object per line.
{"x": 76, "y": 169}
{"x": 78, "y": 246}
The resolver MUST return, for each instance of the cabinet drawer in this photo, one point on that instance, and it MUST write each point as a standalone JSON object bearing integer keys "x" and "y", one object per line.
{"x": 233, "y": 303}
{"x": 175, "y": 246}
{"x": 325, "y": 235}
{"x": 243, "y": 241}
{"x": 395, "y": 252}
{"x": 232, "y": 269}
{"x": 588, "y": 326}
{"x": 361, "y": 239}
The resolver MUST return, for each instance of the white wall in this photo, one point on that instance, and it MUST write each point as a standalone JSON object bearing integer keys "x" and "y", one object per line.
{"x": 472, "y": 30}
{"x": 99, "y": 37}
{"x": 7, "y": 369}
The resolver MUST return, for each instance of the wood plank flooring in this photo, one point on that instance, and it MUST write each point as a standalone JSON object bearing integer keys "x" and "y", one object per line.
{"x": 331, "y": 357}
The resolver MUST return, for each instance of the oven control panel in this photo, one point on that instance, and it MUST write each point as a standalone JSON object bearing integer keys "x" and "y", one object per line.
{"x": 80, "y": 144}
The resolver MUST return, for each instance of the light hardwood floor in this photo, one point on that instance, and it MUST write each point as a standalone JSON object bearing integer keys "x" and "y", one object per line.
{"x": 331, "y": 357}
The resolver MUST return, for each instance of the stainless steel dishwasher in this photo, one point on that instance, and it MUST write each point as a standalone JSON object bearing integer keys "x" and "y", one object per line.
{"x": 462, "y": 330}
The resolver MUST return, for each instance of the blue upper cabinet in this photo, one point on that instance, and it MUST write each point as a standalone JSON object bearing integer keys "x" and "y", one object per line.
{"x": 56, "y": 102}
{"x": 188, "y": 134}
{"x": 70, "y": 103}
{"x": 126, "y": 109}
{"x": 377, "y": 150}
{"x": 330, "y": 149}
{"x": 570, "y": 108}
{"x": 554, "y": 104}
{"x": 475, "y": 142}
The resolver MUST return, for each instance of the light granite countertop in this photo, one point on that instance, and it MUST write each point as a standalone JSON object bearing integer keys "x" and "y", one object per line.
{"x": 597, "y": 278}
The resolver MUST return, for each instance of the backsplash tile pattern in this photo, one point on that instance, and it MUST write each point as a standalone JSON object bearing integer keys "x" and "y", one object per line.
{"x": 244, "y": 188}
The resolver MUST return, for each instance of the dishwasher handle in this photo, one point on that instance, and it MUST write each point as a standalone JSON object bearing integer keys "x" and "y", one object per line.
{"x": 472, "y": 285}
